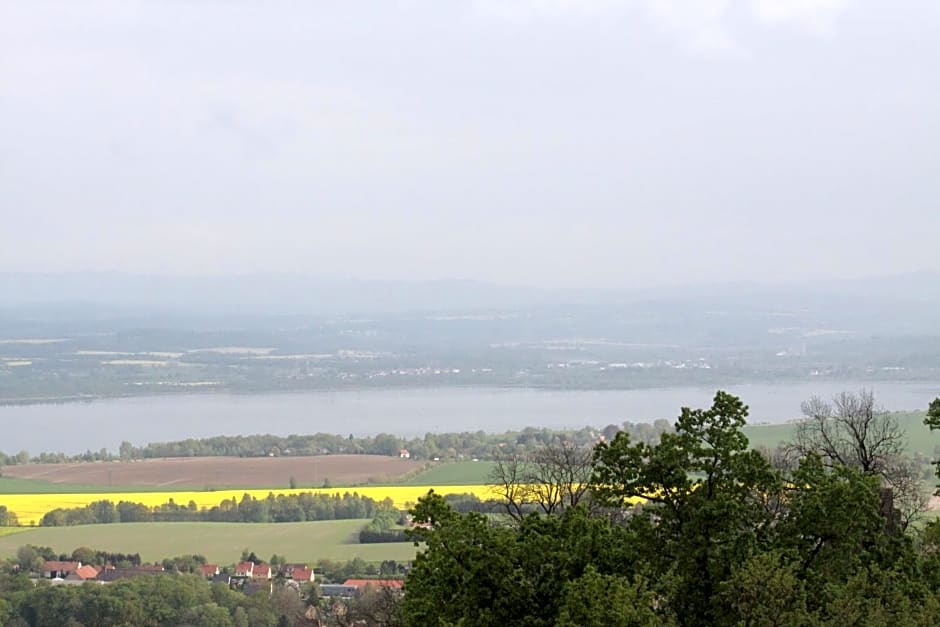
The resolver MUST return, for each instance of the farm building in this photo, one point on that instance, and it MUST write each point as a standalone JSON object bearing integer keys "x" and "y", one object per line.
{"x": 54, "y": 569}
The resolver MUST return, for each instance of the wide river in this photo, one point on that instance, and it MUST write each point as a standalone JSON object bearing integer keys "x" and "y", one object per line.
{"x": 75, "y": 427}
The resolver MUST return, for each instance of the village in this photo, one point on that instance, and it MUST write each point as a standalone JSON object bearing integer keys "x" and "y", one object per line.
{"x": 248, "y": 577}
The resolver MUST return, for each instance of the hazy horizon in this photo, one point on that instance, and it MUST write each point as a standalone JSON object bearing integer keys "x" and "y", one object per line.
{"x": 612, "y": 144}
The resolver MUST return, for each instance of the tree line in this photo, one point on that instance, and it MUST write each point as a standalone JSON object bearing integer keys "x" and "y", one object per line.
{"x": 445, "y": 446}
{"x": 306, "y": 506}
{"x": 385, "y": 527}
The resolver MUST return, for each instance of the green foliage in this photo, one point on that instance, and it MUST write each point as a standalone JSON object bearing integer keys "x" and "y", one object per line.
{"x": 150, "y": 601}
{"x": 596, "y": 600}
{"x": 384, "y": 527}
{"x": 933, "y": 414}
{"x": 484, "y": 574}
{"x": 721, "y": 539}
{"x": 8, "y": 518}
{"x": 932, "y": 420}
{"x": 766, "y": 590}
{"x": 706, "y": 494}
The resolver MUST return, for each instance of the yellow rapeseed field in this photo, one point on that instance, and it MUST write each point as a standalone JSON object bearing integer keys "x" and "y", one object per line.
{"x": 30, "y": 508}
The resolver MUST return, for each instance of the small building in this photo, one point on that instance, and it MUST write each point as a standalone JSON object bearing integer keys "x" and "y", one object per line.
{"x": 404, "y": 454}
{"x": 244, "y": 569}
{"x": 224, "y": 578}
{"x": 54, "y": 569}
{"x": 302, "y": 575}
{"x": 209, "y": 570}
{"x": 261, "y": 571}
{"x": 337, "y": 590}
{"x": 86, "y": 572}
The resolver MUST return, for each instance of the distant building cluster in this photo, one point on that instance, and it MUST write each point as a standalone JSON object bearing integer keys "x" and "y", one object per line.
{"x": 249, "y": 577}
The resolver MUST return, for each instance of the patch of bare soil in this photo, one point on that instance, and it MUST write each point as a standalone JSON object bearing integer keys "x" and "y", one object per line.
{"x": 218, "y": 472}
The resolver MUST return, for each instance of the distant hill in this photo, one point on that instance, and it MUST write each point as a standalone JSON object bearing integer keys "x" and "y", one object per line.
{"x": 905, "y": 304}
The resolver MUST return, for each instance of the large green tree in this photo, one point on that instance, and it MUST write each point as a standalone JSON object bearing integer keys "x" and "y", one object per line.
{"x": 709, "y": 501}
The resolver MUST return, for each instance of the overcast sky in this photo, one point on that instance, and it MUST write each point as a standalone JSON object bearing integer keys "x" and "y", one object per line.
{"x": 554, "y": 142}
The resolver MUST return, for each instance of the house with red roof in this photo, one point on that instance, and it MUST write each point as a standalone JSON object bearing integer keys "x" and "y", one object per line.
{"x": 300, "y": 574}
{"x": 245, "y": 569}
{"x": 261, "y": 571}
{"x": 209, "y": 570}
{"x": 87, "y": 572}
{"x": 54, "y": 569}
{"x": 79, "y": 575}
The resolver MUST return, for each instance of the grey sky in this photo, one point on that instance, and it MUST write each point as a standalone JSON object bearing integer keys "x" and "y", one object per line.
{"x": 607, "y": 143}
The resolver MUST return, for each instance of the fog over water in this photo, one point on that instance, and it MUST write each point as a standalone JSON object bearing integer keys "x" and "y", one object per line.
{"x": 75, "y": 427}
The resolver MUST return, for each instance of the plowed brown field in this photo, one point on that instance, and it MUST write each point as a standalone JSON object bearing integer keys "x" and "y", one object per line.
{"x": 220, "y": 472}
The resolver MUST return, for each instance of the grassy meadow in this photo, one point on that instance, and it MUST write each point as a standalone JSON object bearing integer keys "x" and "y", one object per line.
{"x": 453, "y": 473}
{"x": 9, "y": 531}
{"x": 919, "y": 438}
{"x": 219, "y": 542}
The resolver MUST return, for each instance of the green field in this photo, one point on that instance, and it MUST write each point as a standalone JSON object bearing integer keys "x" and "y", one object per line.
{"x": 221, "y": 543}
{"x": 920, "y": 438}
{"x": 7, "y": 531}
{"x": 453, "y": 473}
{"x": 11, "y": 485}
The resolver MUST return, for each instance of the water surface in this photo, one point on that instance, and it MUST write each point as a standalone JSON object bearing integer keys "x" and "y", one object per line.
{"x": 75, "y": 427}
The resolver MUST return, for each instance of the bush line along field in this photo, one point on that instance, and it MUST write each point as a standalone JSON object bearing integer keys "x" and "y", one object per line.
{"x": 220, "y": 542}
{"x": 30, "y": 508}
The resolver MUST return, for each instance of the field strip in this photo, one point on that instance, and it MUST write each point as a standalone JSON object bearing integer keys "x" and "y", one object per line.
{"x": 30, "y": 508}
{"x": 8, "y": 531}
{"x": 220, "y": 542}
{"x": 172, "y": 481}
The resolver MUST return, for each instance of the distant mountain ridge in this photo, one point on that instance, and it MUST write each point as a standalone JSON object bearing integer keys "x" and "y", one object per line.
{"x": 914, "y": 295}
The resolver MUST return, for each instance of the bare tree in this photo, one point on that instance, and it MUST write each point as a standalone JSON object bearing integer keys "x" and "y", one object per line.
{"x": 911, "y": 497}
{"x": 852, "y": 431}
{"x": 549, "y": 479}
{"x": 508, "y": 477}
{"x": 780, "y": 457}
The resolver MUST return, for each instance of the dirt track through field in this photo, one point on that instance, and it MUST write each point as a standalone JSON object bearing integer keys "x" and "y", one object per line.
{"x": 216, "y": 472}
